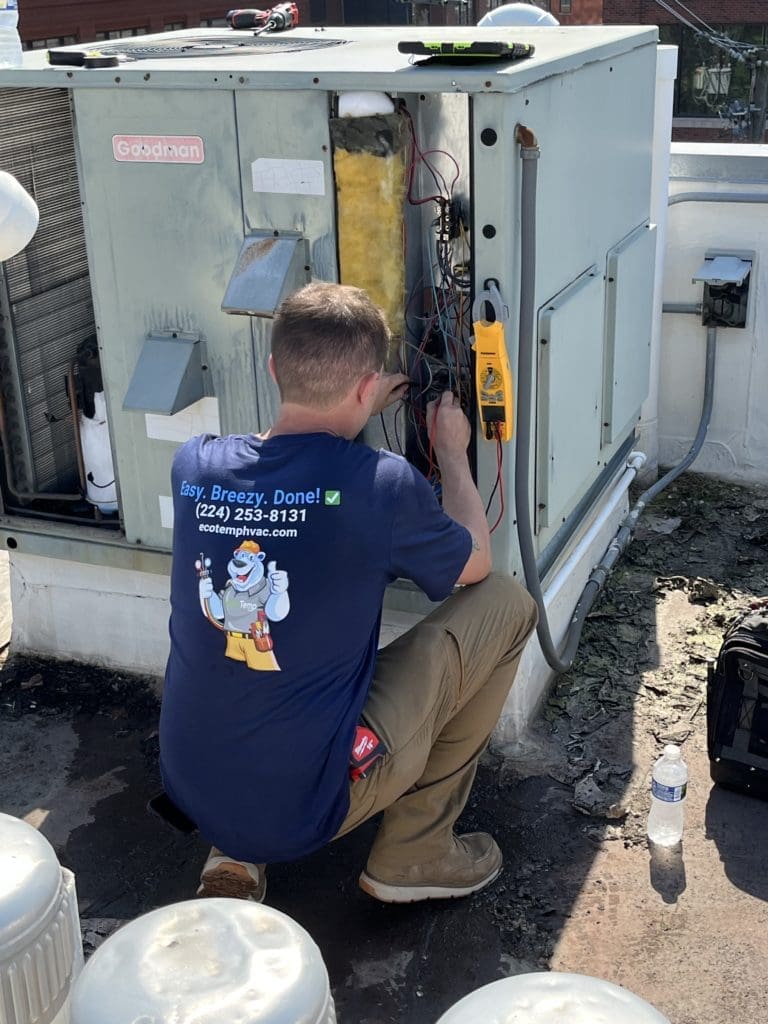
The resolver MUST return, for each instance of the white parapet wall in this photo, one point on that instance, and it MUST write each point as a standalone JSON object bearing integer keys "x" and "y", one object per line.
{"x": 736, "y": 447}
{"x": 666, "y": 73}
{"x": 117, "y": 618}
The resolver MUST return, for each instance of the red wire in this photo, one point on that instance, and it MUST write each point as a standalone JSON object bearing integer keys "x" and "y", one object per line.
{"x": 499, "y": 477}
{"x": 436, "y": 174}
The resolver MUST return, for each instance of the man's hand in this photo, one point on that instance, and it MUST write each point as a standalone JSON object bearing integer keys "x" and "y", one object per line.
{"x": 205, "y": 588}
{"x": 449, "y": 433}
{"x": 391, "y": 388}
{"x": 448, "y": 428}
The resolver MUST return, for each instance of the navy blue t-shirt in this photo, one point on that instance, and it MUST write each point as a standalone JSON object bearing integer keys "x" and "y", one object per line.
{"x": 282, "y": 551}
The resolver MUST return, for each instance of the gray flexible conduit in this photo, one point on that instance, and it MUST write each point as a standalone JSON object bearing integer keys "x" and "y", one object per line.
{"x": 561, "y": 661}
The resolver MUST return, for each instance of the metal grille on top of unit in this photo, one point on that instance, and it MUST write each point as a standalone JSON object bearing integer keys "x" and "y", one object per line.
{"x": 213, "y": 46}
{"x": 45, "y": 296}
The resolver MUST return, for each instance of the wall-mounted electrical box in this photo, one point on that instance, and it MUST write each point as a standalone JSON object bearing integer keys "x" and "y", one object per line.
{"x": 726, "y": 279}
{"x": 211, "y": 172}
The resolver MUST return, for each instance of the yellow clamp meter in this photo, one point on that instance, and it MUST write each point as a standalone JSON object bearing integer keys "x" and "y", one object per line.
{"x": 493, "y": 376}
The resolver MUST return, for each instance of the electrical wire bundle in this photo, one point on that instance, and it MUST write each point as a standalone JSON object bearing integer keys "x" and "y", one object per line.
{"x": 437, "y": 340}
{"x": 438, "y": 336}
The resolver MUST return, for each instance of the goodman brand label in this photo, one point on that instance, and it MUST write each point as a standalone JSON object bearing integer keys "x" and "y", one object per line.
{"x": 158, "y": 149}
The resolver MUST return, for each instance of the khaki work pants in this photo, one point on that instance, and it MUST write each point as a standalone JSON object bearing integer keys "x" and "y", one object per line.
{"x": 436, "y": 697}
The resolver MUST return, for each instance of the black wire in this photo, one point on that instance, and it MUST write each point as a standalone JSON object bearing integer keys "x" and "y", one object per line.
{"x": 386, "y": 435}
{"x": 498, "y": 471}
{"x": 397, "y": 435}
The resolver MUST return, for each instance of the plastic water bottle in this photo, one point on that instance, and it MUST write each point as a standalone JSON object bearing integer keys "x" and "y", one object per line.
{"x": 10, "y": 41}
{"x": 668, "y": 788}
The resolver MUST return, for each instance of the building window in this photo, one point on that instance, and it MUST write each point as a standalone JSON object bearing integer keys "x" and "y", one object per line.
{"x": 49, "y": 44}
{"x": 565, "y": 6}
{"x": 119, "y": 33}
{"x": 214, "y": 23}
{"x": 174, "y": 26}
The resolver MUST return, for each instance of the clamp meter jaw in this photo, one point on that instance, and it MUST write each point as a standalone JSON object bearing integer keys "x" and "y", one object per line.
{"x": 493, "y": 374}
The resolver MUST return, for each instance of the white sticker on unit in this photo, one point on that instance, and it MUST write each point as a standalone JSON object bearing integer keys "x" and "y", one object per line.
{"x": 201, "y": 417}
{"x": 166, "y": 511}
{"x": 289, "y": 177}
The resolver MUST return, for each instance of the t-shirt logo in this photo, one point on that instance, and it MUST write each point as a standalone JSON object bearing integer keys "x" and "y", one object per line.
{"x": 253, "y": 596}
{"x": 333, "y": 498}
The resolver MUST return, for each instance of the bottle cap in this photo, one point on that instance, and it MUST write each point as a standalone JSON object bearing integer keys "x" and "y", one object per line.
{"x": 672, "y": 752}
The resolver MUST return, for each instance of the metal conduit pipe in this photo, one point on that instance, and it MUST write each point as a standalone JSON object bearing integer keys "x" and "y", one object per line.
{"x": 717, "y": 197}
{"x": 562, "y": 660}
{"x": 621, "y": 541}
{"x": 682, "y": 307}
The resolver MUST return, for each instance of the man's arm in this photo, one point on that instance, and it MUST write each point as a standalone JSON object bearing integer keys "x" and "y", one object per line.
{"x": 450, "y": 433}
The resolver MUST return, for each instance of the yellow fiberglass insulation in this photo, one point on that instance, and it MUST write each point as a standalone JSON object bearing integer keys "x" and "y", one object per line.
{"x": 370, "y": 191}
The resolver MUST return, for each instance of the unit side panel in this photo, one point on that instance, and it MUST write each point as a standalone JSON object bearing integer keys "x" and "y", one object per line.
{"x": 162, "y": 241}
{"x": 629, "y": 309}
{"x": 287, "y": 181}
{"x": 594, "y": 126}
{"x": 569, "y": 393}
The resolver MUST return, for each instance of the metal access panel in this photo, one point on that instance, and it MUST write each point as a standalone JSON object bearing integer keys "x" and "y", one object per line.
{"x": 162, "y": 240}
{"x": 287, "y": 184}
{"x": 570, "y": 345}
{"x": 163, "y": 256}
{"x": 628, "y": 311}
{"x": 593, "y": 191}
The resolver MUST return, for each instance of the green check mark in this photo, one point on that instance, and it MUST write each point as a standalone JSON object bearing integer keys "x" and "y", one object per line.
{"x": 333, "y": 498}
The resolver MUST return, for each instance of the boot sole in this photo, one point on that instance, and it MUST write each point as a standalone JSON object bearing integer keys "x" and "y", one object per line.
{"x": 223, "y": 883}
{"x": 416, "y": 893}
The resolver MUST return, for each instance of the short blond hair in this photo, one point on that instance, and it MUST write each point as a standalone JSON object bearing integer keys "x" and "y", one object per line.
{"x": 325, "y": 338}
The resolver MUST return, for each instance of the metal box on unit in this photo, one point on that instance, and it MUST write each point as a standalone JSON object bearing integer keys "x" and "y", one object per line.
{"x": 156, "y": 175}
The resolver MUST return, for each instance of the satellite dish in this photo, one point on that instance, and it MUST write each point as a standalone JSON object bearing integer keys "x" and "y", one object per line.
{"x": 19, "y": 216}
{"x": 516, "y": 14}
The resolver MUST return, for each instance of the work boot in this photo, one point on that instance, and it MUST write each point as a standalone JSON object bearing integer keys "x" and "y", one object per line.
{"x": 473, "y": 862}
{"x": 237, "y": 879}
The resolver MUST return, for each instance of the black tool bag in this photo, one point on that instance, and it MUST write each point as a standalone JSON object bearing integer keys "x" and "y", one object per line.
{"x": 737, "y": 707}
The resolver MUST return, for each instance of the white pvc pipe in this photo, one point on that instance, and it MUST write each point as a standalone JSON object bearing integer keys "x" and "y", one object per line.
{"x": 635, "y": 462}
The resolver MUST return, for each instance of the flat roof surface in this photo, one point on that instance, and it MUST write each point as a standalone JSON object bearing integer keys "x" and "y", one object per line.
{"x": 364, "y": 58}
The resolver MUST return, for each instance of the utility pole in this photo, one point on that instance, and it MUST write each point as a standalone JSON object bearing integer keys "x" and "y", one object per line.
{"x": 758, "y": 108}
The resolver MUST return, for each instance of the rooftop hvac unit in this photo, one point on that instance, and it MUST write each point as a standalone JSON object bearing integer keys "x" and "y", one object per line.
{"x": 187, "y": 187}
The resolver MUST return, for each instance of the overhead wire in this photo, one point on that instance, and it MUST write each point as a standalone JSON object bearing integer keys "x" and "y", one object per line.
{"x": 723, "y": 42}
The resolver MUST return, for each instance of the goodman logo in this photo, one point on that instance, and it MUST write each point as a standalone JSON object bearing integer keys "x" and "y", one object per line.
{"x": 158, "y": 149}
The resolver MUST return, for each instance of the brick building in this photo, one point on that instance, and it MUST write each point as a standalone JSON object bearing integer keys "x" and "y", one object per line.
{"x": 45, "y": 23}
{"x": 712, "y": 93}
